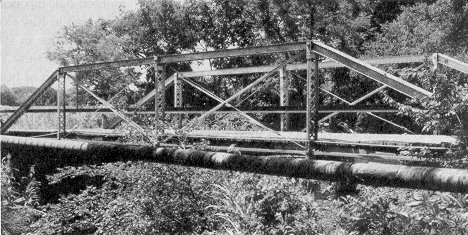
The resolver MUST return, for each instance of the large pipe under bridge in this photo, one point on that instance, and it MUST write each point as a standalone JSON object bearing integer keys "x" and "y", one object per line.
{"x": 70, "y": 152}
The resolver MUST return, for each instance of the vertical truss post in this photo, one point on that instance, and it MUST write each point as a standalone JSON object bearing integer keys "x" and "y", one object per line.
{"x": 61, "y": 112}
{"x": 435, "y": 62}
{"x": 77, "y": 96}
{"x": 178, "y": 96}
{"x": 159, "y": 87}
{"x": 312, "y": 101}
{"x": 284, "y": 98}
{"x": 316, "y": 97}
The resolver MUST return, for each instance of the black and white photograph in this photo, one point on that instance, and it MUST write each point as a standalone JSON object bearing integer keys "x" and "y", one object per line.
{"x": 275, "y": 117}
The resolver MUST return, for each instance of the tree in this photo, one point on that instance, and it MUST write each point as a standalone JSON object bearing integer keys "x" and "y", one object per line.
{"x": 424, "y": 29}
{"x": 7, "y": 97}
{"x": 168, "y": 27}
{"x": 49, "y": 97}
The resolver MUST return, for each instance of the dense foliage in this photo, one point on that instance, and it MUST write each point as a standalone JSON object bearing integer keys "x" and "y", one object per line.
{"x": 17, "y": 95}
{"x": 149, "y": 198}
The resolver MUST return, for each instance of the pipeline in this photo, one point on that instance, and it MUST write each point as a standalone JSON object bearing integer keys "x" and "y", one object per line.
{"x": 375, "y": 174}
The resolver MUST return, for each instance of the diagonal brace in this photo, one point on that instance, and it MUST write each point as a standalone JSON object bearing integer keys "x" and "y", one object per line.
{"x": 217, "y": 98}
{"x": 352, "y": 103}
{"x": 372, "y": 72}
{"x": 378, "y": 117}
{"x": 245, "y": 89}
{"x": 111, "y": 107}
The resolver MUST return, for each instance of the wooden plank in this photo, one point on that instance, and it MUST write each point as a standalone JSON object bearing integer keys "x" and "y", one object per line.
{"x": 372, "y": 72}
{"x": 28, "y": 103}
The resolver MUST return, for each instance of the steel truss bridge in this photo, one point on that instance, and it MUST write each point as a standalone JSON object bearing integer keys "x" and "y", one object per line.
{"x": 315, "y": 145}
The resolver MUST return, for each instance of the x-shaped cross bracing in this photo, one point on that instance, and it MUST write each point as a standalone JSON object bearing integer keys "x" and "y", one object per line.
{"x": 357, "y": 101}
{"x": 243, "y": 114}
{"x": 113, "y": 109}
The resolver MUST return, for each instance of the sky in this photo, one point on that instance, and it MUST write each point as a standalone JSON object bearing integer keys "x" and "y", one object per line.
{"x": 27, "y": 28}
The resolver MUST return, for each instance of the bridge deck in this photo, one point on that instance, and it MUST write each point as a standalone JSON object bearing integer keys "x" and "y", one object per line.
{"x": 382, "y": 139}
{"x": 254, "y": 136}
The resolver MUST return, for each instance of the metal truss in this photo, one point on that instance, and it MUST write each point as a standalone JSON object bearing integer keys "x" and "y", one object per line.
{"x": 160, "y": 91}
{"x": 370, "y": 113}
{"x": 371, "y": 72}
{"x": 284, "y": 97}
{"x": 350, "y": 103}
{"x": 312, "y": 105}
{"x": 95, "y": 110}
{"x": 243, "y": 114}
{"x": 116, "y": 112}
{"x": 313, "y": 48}
{"x": 242, "y": 91}
{"x": 61, "y": 105}
{"x": 178, "y": 98}
{"x": 27, "y": 104}
{"x": 440, "y": 59}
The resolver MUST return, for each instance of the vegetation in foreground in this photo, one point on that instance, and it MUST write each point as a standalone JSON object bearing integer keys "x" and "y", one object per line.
{"x": 149, "y": 198}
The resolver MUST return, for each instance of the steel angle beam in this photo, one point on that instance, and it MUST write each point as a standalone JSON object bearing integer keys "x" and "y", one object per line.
{"x": 105, "y": 65}
{"x": 450, "y": 62}
{"x": 151, "y": 94}
{"x": 113, "y": 109}
{"x": 245, "y": 89}
{"x": 303, "y": 66}
{"x": 27, "y": 104}
{"x": 245, "y": 115}
{"x": 162, "y": 59}
{"x": 286, "y": 47}
{"x": 352, "y": 103}
{"x": 370, "y": 71}
{"x": 249, "y": 109}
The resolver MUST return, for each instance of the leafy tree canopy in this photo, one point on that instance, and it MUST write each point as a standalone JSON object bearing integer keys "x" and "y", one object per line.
{"x": 7, "y": 96}
{"x": 358, "y": 27}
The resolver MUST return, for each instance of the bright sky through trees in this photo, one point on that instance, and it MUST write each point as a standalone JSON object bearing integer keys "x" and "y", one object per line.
{"x": 28, "y": 27}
